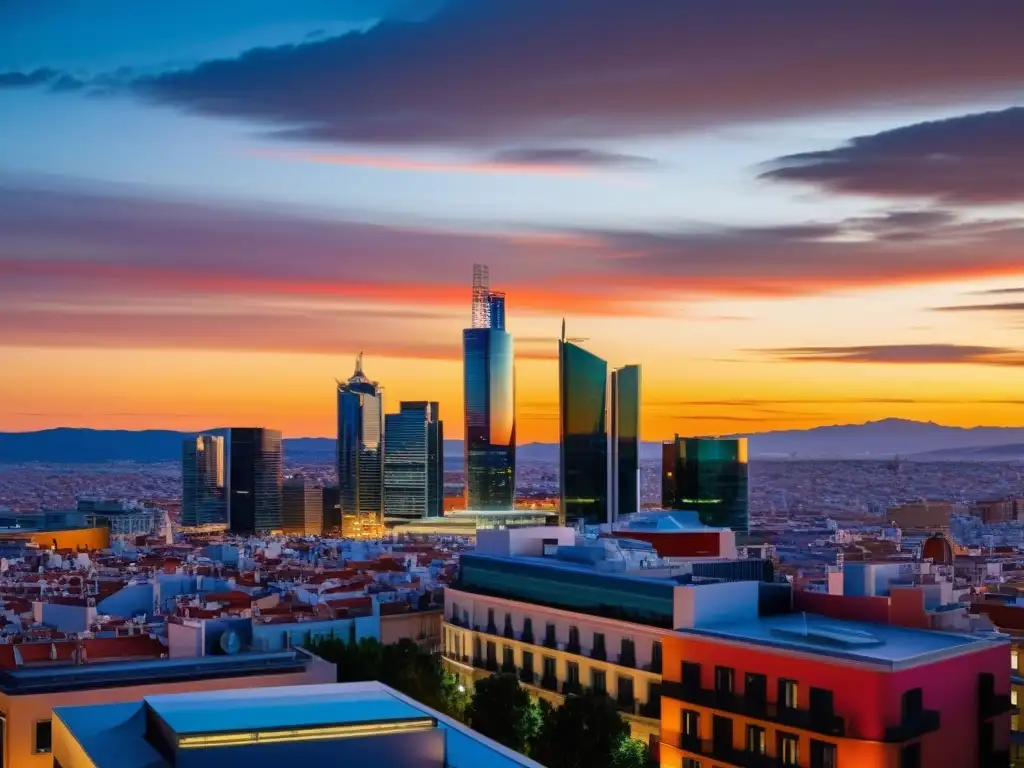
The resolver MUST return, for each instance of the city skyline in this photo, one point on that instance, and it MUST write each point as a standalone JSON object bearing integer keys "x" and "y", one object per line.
{"x": 781, "y": 251}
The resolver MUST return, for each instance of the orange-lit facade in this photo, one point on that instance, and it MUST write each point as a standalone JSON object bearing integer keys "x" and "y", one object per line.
{"x": 730, "y": 703}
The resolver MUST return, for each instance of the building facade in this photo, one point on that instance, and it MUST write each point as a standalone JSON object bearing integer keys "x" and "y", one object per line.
{"x": 489, "y": 390}
{"x": 624, "y": 441}
{"x": 202, "y": 477}
{"x": 414, "y": 462}
{"x": 583, "y": 434}
{"x": 709, "y": 476}
{"x": 302, "y": 510}
{"x": 254, "y": 479}
{"x": 360, "y": 454}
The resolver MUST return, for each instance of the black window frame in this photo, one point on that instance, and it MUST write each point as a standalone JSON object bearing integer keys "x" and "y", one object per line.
{"x": 42, "y": 728}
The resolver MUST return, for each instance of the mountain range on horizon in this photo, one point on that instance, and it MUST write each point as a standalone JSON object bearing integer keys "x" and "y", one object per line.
{"x": 921, "y": 440}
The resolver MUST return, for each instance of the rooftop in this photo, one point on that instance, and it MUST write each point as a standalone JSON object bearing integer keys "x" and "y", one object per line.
{"x": 879, "y": 644}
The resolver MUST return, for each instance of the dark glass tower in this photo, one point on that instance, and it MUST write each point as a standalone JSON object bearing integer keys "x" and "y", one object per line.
{"x": 625, "y": 441}
{"x": 583, "y": 454}
{"x": 361, "y": 454}
{"x": 708, "y": 475}
{"x": 254, "y": 475}
{"x": 490, "y": 400}
{"x": 414, "y": 461}
{"x": 202, "y": 478}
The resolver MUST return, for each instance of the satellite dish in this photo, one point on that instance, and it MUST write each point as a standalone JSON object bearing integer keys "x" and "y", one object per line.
{"x": 230, "y": 642}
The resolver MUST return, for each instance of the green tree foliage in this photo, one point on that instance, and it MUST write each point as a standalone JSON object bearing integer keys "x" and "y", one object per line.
{"x": 585, "y": 732}
{"x": 501, "y": 709}
{"x": 632, "y": 753}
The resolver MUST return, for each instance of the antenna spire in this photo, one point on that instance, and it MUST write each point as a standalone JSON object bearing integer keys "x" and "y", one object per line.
{"x": 359, "y": 364}
{"x": 563, "y": 329}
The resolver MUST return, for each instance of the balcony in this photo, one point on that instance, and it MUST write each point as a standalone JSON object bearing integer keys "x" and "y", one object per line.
{"x": 598, "y": 654}
{"x": 507, "y": 668}
{"x": 913, "y": 726}
{"x": 809, "y": 720}
{"x": 727, "y": 754}
{"x": 491, "y": 665}
{"x": 572, "y": 687}
{"x": 651, "y": 709}
{"x": 629, "y": 706}
{"x": 526, "y": 676}
{"x": 549, "y": 683}
{"x": 993, "y": 704}
{"x": 550, "y": 641}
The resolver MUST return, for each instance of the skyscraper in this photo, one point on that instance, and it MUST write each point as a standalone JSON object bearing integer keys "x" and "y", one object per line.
{"x": 361, "y": 454}
{"x": 624, "y": 443}
{"x": 583, "y": 433}
{"x": 490, "y": 400}
{"x": 707, "y": 475}
{"x": 301, "y": 507}
{"x": 202, "y": 475}
{"x": 414, "y": 461}
{"x": 254, "y": 480}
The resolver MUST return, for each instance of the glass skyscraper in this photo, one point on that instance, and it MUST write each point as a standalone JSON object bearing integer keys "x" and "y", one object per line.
{"x": 414, "y": 461}
{"x": 625, "y": 441}
{"x": 490, "y": 400}
{"x": 707, "y": 475}
{"x": 360, "y": 454}
{"x": 254, "y": 480}
{"x": 202, "y": 475}
{"x": 583, "y": 432}
{"x": 301, "y": 507}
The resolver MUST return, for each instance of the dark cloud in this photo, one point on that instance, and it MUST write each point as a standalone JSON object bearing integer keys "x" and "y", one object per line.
{"x": 36, "y": 77}
{"x": 1008, "y": 306}
{"x": 973, "y": 159}
{"x": 535, "y": 70}
{"x": 570, "y": 157}
{"x": 997, "y": 292}
{"x": 902, "y": 354}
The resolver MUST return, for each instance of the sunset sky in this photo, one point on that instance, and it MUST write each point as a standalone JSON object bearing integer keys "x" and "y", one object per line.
{"x": 790, "y": 213}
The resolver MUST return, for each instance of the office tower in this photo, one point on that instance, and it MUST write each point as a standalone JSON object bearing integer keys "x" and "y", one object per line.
{"x": 254, "y": 480}
{"x": 490, "y": 400}
{"x": 624, "y": 443}
{"x": 414, "y": 461}
{"x": 331, "y": 500}
{"x": 360, "y": 454}
{"x": 583, "y": 434}
{"x": 302, "y": 510}
{"x": 202, "y": 478}
{"x": 707, "y": 475}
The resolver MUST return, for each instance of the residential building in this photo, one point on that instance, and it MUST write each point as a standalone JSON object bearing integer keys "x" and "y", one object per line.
{"x": 202, "y": 474}
{"x": 414, "y": 462}
{"x": 342, "y": 724}
{"x": 110, "y": 671}
{"x": 924, "y": 515}
{"x": 707, "y": 475}
{"x": 583, "y": 434}
{"x": 624, "y": 441}
{"x": 254, "y": 479}
{"x": 360, "y": 458}
{"x": 490, "y": 398}
{"x": 302, "y": 511}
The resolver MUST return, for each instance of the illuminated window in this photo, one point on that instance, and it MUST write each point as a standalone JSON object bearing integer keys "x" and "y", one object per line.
{"x": 788, "y": 694}
{"x": 1013, "y": 696}
{"x": 1013, "y": 658}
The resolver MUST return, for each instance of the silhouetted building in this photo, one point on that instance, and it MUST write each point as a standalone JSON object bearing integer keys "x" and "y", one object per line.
{"x": 302, "y": 507}
{"x": 624, "y": 444}
{"x": 707, "y": 475}
{"x": 414, "y": 461}
{"x": 202, "y": 478}
{"x": 489, "y": 389}
{"x": 583, "y": 434}
{"x": 254, "y": 479}
{"x": 361, "y": 454}
{"x": 331, "y": 499}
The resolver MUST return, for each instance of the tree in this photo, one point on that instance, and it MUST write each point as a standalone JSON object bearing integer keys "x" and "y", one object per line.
{"x": 501, "y": 709}
{"x": 632, "y": 753}
{"x": 585, "y": 732}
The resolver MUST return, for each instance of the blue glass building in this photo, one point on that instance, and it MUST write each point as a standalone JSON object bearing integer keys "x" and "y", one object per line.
{"x": 414, "y": 461}
{"x": 490, "y": 442}
{"x": 707, "y": 475}
{"x": 360, "y": 456}
{"x": 625, "y": 441}
{"x": 583, "y": 445}
{"x": 254, "y": 478}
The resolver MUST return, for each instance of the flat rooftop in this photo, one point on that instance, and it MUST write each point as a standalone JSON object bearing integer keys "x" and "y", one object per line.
{"x": 883, "y": 645}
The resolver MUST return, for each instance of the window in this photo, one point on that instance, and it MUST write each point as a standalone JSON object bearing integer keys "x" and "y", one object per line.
{"x": 912, "y": 704}
{"x": 44, "y": 737}
{"x": 573, "y": 673}
{"x": 550, "y": 673}
{"x": 656, "y": 656}
{"x": 625, "y": 692}
{"x": 598, "y": 681}
{"x": 691, "y": 676}
{"x": 627, "y": 653}
{"x": 721, "y": 733}
{"x": 509, "y": 632}
{"x": 788, "y": 694}
{"x": 1013, "y": 659}
{"x": 755, "y": 688}
{"x": 492, "y": 656}
{"x": 528, "y": 661}
{"x": 490, "y": 621}
{"x": 598, "y": 652}
{"x": 823, "y": 754}
{"x": 821, "y": 703}
{"x": 787, "y": 751}
{"x": 724, "y": 679}
{"x": 691, "y": 724}
{"x": 1013, "y": 696}
{"x": 910, "y": 755}
{"x": 689, "y": 762}
{"x": 508, "y": 662}
{"x": 574, "y": 640}
{"x": 757, "y": 740}
{"x": 527, "y": 636}
{"x": 550, "y": 638}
